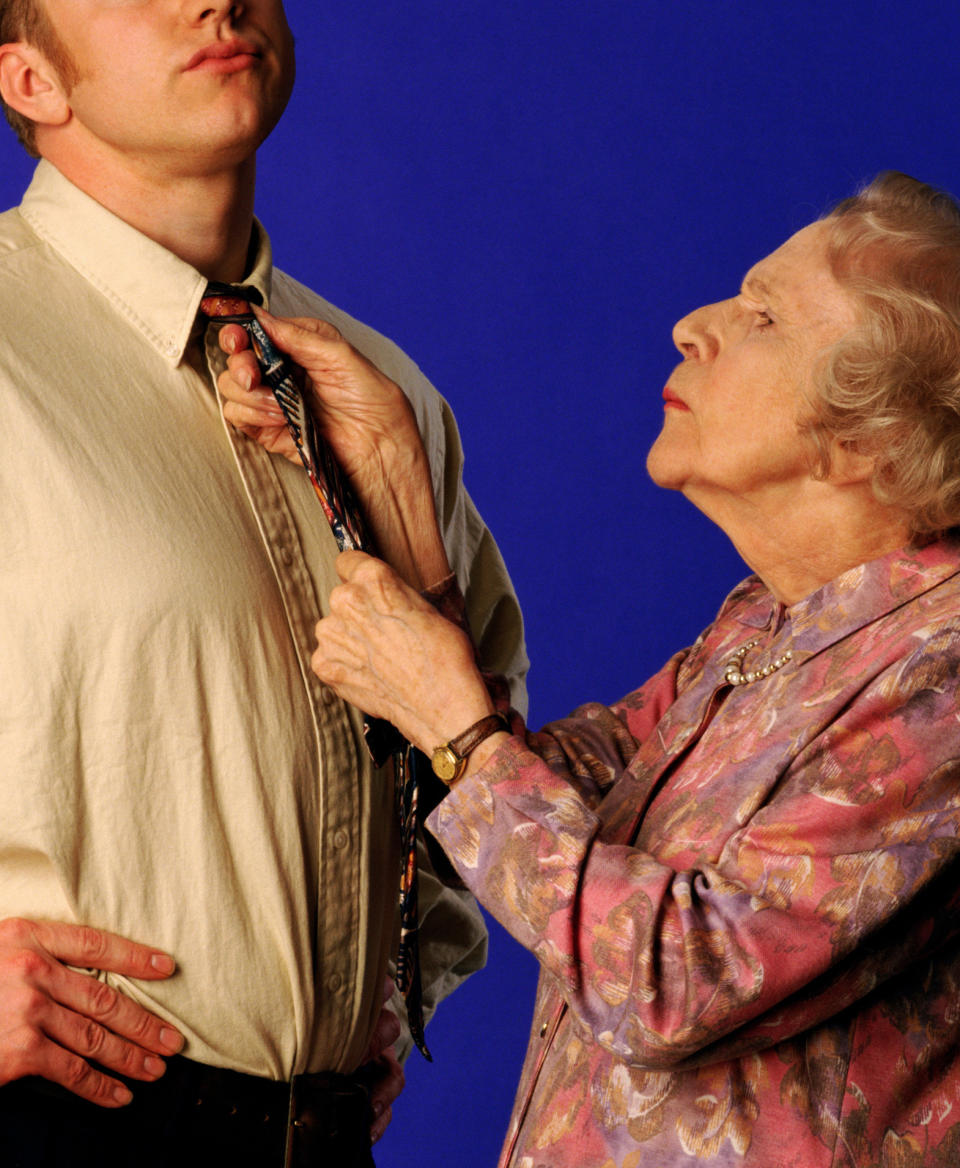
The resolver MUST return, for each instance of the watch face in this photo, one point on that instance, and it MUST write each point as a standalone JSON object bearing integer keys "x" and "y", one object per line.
{"x": 444, "y": 763}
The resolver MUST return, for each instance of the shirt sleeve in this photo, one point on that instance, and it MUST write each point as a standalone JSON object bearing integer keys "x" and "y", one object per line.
{"x": 452, "y": 934}
{"x": 492, "y": 609}
{"x": 452, "y": 942}
{"x": 840, "y": 881}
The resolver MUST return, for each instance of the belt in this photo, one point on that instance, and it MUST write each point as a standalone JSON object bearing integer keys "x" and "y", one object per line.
{"x": 196, "y": 1112}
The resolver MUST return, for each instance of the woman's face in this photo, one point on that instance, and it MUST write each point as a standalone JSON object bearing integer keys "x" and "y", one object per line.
{"x": 732, "y": 406}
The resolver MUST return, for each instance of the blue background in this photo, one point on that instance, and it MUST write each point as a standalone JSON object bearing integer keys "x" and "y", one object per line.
{"x": 526, "y": 194}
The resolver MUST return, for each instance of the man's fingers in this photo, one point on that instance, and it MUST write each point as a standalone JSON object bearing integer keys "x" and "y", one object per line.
{"x": 92, "y": 1001}
{"x": 88, "y": 1016}
{"x": 70, "y": 1071}
{"x": 89, "y": 948}
{"x": 56, "y": 1022}
{"x": 386, "y": 1089}
{"x": 93, "y": 1042}
{"x": 385, "y": 1033}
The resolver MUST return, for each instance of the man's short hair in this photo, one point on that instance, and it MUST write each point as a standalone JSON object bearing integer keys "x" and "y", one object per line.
{"x": 27, "y": 20}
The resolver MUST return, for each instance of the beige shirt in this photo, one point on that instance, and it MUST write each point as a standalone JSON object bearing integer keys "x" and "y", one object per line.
{"x": 170, "y": 768}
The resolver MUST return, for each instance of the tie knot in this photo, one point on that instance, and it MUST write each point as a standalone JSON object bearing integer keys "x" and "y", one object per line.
{"x": 229, "y": 302}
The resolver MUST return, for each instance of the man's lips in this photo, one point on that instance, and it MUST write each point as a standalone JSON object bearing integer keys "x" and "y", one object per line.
{"x": 671, "y": 401}
{"x": 224, "y": 57}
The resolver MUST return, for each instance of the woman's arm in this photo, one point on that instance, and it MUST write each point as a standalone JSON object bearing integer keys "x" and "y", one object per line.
{"x": 667, "y": 965}
{"x": 367, "y": 421}
{"x": 841, "y": 878}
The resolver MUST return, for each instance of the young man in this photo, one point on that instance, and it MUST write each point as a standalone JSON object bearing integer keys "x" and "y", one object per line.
{"x": 184, "y": 808}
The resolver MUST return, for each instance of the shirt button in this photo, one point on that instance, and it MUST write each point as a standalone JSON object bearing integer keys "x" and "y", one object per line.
{"x": 334, "y": 982}
{"x": 286, "y": 556}
{"x": 543, "y": 1029}
{"x": 340, "y": 838}
{"x": 171, "y": 348}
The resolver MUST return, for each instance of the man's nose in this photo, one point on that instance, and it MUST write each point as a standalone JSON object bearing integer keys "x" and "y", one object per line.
{"x": 196, "y": 11}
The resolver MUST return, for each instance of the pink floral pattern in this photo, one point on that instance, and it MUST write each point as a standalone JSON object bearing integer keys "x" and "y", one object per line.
{"x": 744, "y": 900}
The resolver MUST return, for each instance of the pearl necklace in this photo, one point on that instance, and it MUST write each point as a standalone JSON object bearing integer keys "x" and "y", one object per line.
{"x": 732, "y": 671}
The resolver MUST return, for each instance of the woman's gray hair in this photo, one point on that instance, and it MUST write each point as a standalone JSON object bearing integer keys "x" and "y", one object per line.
{"x": 891, "y": 387}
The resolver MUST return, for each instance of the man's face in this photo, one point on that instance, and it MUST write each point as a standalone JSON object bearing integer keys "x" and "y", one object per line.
{"x": 184, "y": 84}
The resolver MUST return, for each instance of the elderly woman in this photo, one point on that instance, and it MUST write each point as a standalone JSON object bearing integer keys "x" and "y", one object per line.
{"x": 741, "y": 881}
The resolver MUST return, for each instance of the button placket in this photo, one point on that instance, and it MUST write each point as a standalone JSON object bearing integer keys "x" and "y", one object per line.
{"x": 338, "y": 923}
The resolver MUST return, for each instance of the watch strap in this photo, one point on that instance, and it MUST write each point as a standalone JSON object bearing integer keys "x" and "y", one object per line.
{"x": 452, "y": 756}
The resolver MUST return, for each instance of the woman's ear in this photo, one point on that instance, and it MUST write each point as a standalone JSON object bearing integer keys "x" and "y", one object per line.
{"x": 31, "y": 86}
{"x": 849, "y": 464}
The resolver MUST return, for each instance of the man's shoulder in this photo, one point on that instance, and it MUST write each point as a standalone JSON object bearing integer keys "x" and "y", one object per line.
{"x": 29, "y": 275}
{"x": 291, "y": 298}
{"x": 16, "y": 235}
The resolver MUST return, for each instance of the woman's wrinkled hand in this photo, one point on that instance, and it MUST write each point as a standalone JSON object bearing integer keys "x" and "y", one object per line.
{"x": 390, "y": 653}
{"x": 367, "y": 422}
{"x": 248, "y": 404}
{"x": 363, "y": 415}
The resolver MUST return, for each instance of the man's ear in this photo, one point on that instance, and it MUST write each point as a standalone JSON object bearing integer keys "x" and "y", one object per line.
{"x": 30, "y": 85}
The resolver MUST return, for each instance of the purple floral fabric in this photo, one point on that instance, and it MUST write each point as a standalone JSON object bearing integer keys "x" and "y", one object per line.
{"x": 744, "y": 900}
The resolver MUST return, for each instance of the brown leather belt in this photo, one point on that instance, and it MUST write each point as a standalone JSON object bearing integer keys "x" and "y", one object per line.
{"x": 194, "y": 1112}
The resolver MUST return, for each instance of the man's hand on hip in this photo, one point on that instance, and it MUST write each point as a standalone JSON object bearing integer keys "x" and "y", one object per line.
{"x": 386, "y": 1074}
{"x": 52, "y": 1019}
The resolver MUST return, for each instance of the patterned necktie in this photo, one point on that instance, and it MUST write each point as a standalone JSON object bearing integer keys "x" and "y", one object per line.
{"x": 231, "y": 305}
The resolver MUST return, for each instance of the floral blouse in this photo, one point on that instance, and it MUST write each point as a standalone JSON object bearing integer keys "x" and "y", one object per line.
{"x": 743, "y": 897}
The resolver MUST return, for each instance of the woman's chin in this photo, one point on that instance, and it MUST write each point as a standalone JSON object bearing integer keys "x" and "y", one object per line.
{"x": 664, "y": 468}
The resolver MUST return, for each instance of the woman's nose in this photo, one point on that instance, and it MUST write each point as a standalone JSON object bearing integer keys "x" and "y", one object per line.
{"x": 696, "y": 335}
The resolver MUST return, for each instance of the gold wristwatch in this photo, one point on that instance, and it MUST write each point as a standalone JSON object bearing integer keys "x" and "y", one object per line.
{"x": 450, "y": 760}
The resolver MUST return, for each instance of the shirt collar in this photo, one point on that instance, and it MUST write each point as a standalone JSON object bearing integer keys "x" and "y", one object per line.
{"x": 156, "y": 292}
{"x": 853, "y": 599}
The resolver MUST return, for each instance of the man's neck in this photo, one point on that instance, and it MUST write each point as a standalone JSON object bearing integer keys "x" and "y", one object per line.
{"x": 205, "y": 219}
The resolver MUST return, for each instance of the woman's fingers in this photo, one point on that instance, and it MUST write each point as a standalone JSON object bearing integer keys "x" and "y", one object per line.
{"x": 250, "y": 407}
{"x": 298, "y": 334}
{"x": 388, "y": 651}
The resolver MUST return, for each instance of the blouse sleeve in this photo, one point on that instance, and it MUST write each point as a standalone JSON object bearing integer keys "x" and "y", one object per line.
{"x": 843, "y": 877}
